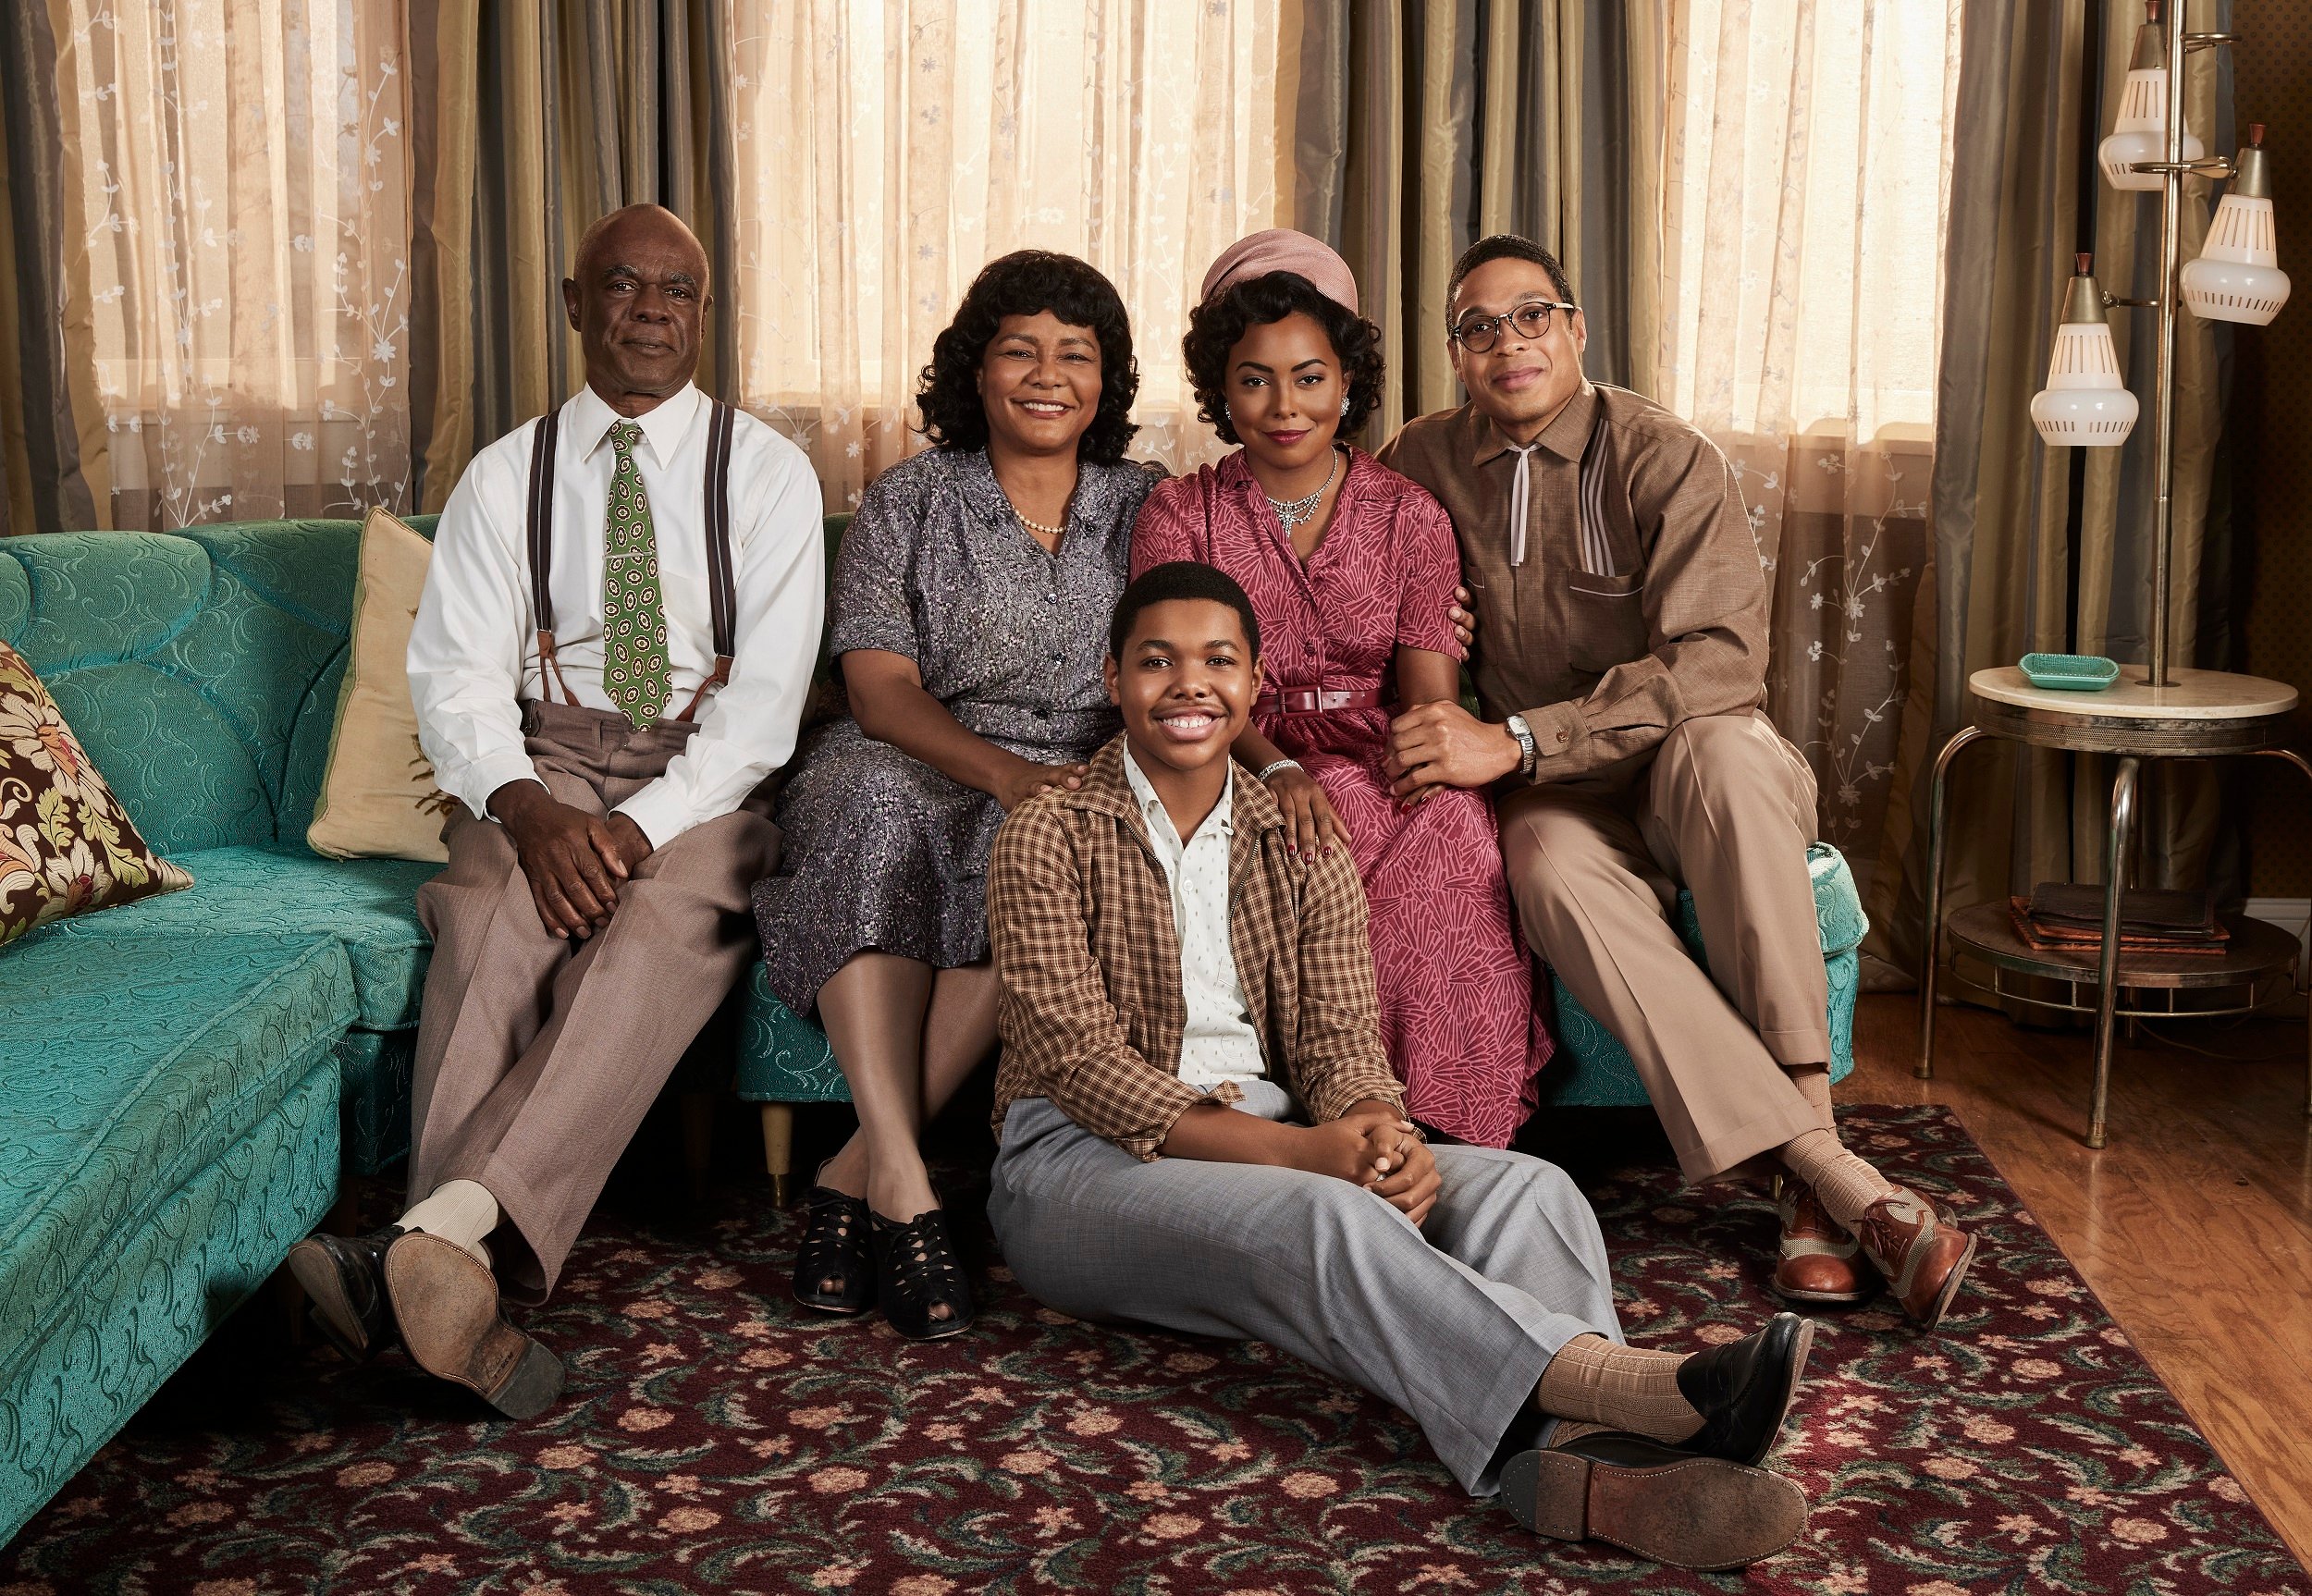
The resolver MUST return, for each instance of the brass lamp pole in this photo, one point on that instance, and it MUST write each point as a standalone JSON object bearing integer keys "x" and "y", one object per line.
{"x": 2173, "y": 170}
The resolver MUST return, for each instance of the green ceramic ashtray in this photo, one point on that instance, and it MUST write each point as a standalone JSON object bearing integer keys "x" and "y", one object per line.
{"x": 2068, "y": 672}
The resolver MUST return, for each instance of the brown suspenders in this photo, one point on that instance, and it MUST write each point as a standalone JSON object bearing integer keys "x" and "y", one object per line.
{"x": 721, "y": 579}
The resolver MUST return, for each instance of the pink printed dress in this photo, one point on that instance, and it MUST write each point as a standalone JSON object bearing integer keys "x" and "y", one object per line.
{"x": 1457, "y": 988}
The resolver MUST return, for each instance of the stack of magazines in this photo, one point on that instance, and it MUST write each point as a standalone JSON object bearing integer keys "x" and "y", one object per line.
{"x": 2067, "y": 916}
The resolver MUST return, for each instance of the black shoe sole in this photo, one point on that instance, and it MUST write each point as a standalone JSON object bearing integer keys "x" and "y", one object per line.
{"x": 1699, "y": 1513}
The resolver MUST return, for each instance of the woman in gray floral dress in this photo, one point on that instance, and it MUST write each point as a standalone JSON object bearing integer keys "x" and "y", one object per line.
{"x": 969, "y": 615}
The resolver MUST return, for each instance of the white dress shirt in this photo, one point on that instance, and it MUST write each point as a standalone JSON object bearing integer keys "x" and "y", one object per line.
{"x": 473, "y": 651}
{"x": 1217, "y": 1042}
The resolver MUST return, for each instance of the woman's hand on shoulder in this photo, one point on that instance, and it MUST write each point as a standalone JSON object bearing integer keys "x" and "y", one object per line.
{"x": 1309, "y": 822}
{"x": 1024, "y": 778}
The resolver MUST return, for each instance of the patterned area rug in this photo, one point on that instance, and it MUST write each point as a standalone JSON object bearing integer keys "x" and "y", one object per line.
{"x": 715, "y": 1437}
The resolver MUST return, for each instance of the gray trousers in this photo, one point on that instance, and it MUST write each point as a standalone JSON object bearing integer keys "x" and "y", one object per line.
{"x": 1454, "y": 1323}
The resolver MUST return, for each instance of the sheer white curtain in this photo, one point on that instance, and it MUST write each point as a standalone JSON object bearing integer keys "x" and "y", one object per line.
{"x": 238, "y": 187}
{"x": 887, "y": 151}
{"x": 1805, "y": 196}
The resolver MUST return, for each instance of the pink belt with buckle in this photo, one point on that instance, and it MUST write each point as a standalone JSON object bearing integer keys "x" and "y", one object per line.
{"x": 1316, "y": 699}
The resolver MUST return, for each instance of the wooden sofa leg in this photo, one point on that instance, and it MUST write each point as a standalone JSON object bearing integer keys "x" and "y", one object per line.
{"x": 779, "y": 1148}
{"x": 698, "y": 1139}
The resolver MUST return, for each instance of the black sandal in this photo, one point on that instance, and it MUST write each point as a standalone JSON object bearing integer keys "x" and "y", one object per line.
{"x": 835, "y": 1248}
{"x": 917, "y": 1275}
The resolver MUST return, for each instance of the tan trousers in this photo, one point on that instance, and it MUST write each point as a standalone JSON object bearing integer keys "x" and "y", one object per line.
{"x": 537, "y": 1058}
{"x": 1725, "y": 808}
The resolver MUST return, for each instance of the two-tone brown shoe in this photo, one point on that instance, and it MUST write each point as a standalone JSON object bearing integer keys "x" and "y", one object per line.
{"x": 1817, "y": 1262}
{"x": 446, "y": 1301}
{"x": 1923, "y": 1256}
{"x": 1663, "y": 1503}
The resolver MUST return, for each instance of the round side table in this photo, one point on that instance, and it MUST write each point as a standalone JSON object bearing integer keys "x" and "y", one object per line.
{"x": 2207, "y": 714}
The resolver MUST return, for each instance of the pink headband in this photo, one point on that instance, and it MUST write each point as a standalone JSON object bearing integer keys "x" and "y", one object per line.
{"x": 1281, "y": 250}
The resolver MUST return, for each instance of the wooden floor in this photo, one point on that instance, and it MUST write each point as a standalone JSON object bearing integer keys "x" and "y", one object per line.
{"x": 2193, "y": 1224}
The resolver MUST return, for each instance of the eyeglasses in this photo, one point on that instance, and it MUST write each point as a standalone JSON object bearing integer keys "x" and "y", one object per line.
{"x": 1478, "y": 334}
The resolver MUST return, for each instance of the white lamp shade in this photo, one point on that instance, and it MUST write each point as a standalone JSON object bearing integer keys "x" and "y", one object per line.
{"x": 2141, "y": 133}
{"x": 2237, "y": 277}
{"x": 2083, "y": 418}
{"x": 2084, "y": 404}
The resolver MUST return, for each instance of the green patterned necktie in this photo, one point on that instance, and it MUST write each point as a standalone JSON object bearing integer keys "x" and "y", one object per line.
{"x": 635, "y": 669}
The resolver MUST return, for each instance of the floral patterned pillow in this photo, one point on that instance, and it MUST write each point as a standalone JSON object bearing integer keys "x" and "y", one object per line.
{"x": 66, "y": 844}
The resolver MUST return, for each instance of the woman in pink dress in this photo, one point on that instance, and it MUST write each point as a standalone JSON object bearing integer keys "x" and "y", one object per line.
{"x": 1352, "y": 568}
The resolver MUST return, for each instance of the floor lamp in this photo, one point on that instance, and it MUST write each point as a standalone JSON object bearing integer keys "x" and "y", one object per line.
{"x": 2169, "y": 712}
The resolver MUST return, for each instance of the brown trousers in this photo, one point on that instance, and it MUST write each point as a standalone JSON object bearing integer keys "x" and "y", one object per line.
{"x": 1727, "y": 808}
{"x": 537, "y": 1058}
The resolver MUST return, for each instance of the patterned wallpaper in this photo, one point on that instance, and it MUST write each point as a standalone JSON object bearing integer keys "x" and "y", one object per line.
{"x": 2271, "y": 426}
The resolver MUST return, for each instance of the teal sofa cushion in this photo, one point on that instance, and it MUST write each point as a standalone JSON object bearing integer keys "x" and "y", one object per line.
{"x": 133, "y": 1066}
{"x": 1594, "y": 1070}
{"x": 366, "y": 904}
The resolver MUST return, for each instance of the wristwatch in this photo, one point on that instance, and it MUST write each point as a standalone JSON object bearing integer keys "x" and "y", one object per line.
{"x": 1529, "y": 753}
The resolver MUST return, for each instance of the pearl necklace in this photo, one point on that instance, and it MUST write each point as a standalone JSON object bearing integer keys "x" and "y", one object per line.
{"x": 1051, "y": 532}
{"x": 1292, "y": 512}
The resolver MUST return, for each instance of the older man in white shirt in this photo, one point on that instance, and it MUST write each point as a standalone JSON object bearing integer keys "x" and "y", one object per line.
{"x": 611, "y": 656}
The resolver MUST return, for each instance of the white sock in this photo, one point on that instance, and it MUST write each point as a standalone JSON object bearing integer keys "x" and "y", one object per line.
{"x": 458, "y": 1211}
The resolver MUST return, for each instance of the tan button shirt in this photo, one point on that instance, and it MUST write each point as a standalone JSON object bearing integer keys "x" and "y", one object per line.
{"x": 1640, "y": 602}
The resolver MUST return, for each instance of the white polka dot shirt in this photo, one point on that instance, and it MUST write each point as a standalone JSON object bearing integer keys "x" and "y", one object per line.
{"x": 1218, "y": 1043}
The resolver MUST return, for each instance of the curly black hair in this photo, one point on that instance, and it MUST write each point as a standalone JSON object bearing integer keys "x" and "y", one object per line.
{"x": 1021, "y": 283}
{"x": 1217, "y": 325}
{"x": 1180, "y": 579}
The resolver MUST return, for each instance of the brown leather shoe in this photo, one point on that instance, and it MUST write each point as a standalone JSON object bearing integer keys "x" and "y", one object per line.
{"x": 447, "y": 1304}
{"x": 1923, "y": 1255}
{"x": 1665, "y": 1504}
{"x": 1818, "y": 1262}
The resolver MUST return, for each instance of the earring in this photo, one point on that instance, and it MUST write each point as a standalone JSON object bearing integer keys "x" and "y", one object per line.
{"x": 1344, "y": 410}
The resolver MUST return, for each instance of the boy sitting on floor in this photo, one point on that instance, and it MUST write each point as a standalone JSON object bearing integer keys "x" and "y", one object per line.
{"x": 1199, "y": 1131}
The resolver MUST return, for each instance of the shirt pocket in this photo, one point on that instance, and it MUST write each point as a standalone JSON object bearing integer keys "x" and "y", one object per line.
{"x": 1605, "y": 622}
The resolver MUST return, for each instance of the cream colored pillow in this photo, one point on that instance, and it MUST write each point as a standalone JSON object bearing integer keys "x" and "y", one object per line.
{"x": 378, "y": 800}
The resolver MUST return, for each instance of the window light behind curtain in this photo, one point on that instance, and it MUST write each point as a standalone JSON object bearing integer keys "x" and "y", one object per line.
{"x": 238, "y": 237}
{"x": 1804, "y": 204}
{"x": 887, "y": 152}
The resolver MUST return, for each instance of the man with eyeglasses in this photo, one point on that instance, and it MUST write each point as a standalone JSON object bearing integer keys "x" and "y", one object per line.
{"x": 1621, "y": 669}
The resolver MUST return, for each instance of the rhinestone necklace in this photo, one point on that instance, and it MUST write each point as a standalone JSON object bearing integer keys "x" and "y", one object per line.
{"x": 1292, "y": 512}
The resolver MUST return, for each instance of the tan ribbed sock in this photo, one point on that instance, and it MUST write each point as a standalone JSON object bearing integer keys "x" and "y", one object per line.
{"x": 461, "y": 1212}
{"x": 1845, "y": 1184}
{"x": 1813, "y": 1082}
{"x": 1620, "y": 1387}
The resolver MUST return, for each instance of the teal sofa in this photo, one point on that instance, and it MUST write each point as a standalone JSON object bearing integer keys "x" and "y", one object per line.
{"x": 186, "y": 1076}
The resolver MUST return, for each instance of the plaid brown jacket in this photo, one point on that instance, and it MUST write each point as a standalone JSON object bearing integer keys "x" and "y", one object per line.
{"x": 1091, "y": 1012}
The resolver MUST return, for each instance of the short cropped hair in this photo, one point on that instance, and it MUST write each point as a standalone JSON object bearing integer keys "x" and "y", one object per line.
{"x": 1216, "y": 326}
{"x": 1180, "y": 579}
{"x": 1021, "y": 283}
{"x": 1506, "y": 246}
